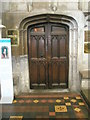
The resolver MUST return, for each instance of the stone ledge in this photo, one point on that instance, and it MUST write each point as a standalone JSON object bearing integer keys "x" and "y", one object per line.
{"x": 85, "y": 74}
{"x": 86, "y": 96}
{"x": 85, "y": 83}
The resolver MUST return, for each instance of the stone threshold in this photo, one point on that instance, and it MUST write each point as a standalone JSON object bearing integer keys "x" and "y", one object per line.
{"x": 49, "y": 90}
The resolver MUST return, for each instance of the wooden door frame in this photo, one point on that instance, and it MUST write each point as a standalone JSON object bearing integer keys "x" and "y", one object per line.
{"x": 67, "y": 42}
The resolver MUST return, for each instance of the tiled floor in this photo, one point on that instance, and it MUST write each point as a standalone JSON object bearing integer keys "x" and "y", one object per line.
{"x": 54, "y": 106}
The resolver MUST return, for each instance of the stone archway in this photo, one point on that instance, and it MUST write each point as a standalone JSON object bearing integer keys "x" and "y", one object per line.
{"x": 74, "y": 83}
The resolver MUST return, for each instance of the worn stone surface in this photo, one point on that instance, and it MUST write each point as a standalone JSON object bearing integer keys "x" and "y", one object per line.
{"x": 85, "y": 79}
{"x": 85, "y": 84}
{"x": 15, "y": 13}
{"x": 85, "y": 74}
{"x": 20, "y": 74}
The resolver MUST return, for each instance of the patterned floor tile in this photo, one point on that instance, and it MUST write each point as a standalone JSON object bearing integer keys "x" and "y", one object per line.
{"x": 63, "y": 101}
{"x": 15, "y": 101}
{"x": 59, "y": 108}
{"x": 73, "y": 100}
{"x": 43, "y": 101}
{"x": 48, "y": 106}
{"x": 28, "y": 101}
{"x": 35, "y": 101}
{"x": 81, "y": 103}
{"x": 58, "y": 101}
{"x": 78, "y": 97}
{"x": 21, "y": 101}
{"x": 16, "y": 117}
{"x": 66, "y": 98}
{"x": 68, "y": 104}
{"x": 51, "y": 113}
{"x": 50, "y": 101}
{"x": 77, "y": 109}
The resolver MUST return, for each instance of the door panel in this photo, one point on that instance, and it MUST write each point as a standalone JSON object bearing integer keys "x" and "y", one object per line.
{"x": 33, "y": 47}
{"x": 37, "y": 61}
{"x": 42, "y": 74}
{"x": 41, "y": 46}
{"x": 59, "y": 61}
{"x": 54, "y": 47}
{"x": 38, "y": 73}
{"x": 48, "y": 56}
{"x": 54, "y": 72}
{"x": 62, "y": 72}
{"x": 34, "y": 74}
{"x": 63, "y": 46}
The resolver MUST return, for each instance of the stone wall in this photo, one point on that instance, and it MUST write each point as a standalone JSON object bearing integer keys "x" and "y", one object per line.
{"x": 20, "y": 74}
{"x": 15, "y": 13}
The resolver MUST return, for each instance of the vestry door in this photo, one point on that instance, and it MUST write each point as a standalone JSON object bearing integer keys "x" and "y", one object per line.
{"x": 48, "y": 56}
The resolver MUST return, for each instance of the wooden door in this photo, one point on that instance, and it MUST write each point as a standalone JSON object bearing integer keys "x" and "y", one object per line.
{"x": 48, "y": 56}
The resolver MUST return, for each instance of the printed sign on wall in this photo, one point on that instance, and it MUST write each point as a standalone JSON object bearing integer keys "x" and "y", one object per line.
{"x": 6, "y": 71}
{"x": 4, "y": 52}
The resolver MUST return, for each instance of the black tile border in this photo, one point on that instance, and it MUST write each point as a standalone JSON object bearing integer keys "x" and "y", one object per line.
{"x": 86, "y": 100}
{"x": 48, "y": 119}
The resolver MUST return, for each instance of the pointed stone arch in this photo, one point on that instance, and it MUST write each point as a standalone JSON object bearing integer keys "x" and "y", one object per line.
{"x": 74, "y": 83}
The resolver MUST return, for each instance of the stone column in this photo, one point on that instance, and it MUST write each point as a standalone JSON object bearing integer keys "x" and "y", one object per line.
{"x": 70, "y": 58}
{"x": 24, "y": 75}
{"x": 21, "y": 42}
{"x": 77, "y": 65}
{"x": 74, "y": 62}
{"x": 75, "y": 50}
{"x": 25, "y": 41}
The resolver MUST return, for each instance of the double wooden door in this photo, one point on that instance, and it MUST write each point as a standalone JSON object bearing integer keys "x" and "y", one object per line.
{"x": 48, "y": 56}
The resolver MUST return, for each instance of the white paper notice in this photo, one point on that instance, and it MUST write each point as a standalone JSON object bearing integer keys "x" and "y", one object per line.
{"x": 6, "y": 80}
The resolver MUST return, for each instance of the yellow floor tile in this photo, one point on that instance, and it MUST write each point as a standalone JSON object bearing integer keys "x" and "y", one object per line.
{"x": 58, "y": 101}
{"x": 68, "y": 104}
{"x": 16, "y": 117}
{"x": 81, "y": 103}
{"x": 73, "y": 100}
{"x": 61, "y": 108}
{"x": 77, "y": 109}
{"x": 36, "y": 101}
{"x": 15, "y": 101}
{"x": 66, "y": 98}
{"x": 78, "y": 97}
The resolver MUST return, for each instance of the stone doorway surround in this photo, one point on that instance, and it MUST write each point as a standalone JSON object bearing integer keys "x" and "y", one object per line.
{"x": 74, "y": 50}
